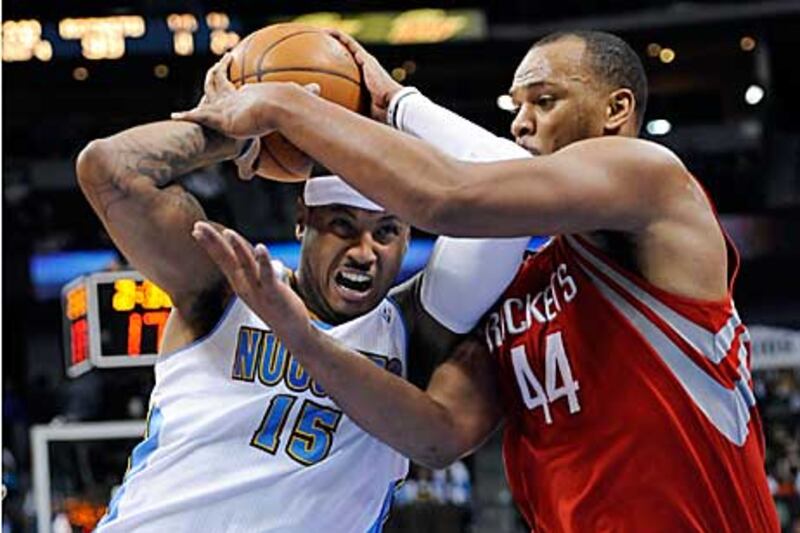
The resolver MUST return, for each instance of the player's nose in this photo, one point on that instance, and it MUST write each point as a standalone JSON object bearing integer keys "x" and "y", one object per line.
{"x": 362, "y": 251}
{"x": 522, "y": 124}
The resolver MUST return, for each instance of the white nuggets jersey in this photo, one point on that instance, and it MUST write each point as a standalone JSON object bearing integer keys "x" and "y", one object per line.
{"x": 241, "y": 439}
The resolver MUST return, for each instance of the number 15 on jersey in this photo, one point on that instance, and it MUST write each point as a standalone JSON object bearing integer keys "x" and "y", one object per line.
{"x": 311, "y": 438}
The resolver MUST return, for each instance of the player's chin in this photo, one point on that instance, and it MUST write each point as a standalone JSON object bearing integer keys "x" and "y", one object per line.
{"x": 351, "y": 303}
{"x": 350, "y": 311}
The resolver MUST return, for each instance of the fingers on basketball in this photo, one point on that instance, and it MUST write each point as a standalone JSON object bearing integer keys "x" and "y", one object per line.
{"x": 302, "y": 54}
{"x": 208, "y": 84}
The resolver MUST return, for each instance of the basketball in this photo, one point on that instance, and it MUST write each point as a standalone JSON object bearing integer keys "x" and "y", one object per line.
{"x": 303, "y": 54}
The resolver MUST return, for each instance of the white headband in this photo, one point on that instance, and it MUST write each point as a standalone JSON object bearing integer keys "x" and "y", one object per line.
{"x": 327, "y": 190}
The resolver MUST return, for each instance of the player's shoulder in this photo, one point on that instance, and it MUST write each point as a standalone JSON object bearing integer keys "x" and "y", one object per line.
{"x": 641, "y": 156}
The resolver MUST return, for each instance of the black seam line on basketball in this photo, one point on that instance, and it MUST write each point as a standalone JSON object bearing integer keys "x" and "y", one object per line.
{"x": 265, "y": 146}
{"x": 276, "y": 43}
{"x": 241, "y": 68}
{"x": 307, "y": 69}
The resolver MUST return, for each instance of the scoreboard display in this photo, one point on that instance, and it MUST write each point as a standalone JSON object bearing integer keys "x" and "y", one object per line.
{"x": 112, "y": 319}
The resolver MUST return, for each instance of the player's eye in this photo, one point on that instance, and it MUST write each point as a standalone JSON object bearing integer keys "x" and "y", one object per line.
{"x": 342, "y": 227}
{"x": 386, "y": 233}
{"x": 546, "y": 102}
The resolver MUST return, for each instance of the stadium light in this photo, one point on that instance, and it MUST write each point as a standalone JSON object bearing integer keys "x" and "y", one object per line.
{"x": 80, "y": 73}
{"x": 667, "y": 55}
{"x": 102, "y": 37}
{"x": 659, "y": 127}
{"x": 399, "y": 73}
{"x": 182, "y": 25}
{"x": 653, "y": 49}
{"x": 22, "y": 40}
{"x": 747, "y": 43}
{"x": 506, "y": 103}
{"x": 754, "y": 94}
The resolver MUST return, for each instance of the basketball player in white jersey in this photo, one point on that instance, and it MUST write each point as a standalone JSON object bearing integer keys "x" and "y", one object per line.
{"x": 240, "y": 438}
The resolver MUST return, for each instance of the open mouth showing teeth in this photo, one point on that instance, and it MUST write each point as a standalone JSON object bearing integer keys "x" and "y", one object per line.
{"x": 354, "y": 281}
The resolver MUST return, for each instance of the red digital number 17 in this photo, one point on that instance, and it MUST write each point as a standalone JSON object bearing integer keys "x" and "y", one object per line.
{"x": 136, "y": 321}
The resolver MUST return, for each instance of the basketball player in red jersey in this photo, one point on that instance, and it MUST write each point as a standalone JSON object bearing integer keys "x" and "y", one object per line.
{"x": 622, "y": 364}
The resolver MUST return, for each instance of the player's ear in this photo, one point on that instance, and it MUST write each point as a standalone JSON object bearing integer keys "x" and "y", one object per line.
{"x": 620, "y": 109}
{"x": 301, "y": 218}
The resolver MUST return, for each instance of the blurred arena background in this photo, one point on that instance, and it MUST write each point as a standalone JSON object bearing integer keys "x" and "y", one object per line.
{"x": 724, "y": 95}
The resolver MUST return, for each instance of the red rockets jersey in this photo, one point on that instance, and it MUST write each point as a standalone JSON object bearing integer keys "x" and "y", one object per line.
{"x": 628, "y": 408}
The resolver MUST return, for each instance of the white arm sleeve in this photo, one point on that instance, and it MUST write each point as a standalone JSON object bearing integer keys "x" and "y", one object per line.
{"x": 463, "y": 277}
{"x": 413, "y": 113}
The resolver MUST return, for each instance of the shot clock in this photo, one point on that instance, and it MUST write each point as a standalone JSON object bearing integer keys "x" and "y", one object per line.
{"x": 112, "y": 319}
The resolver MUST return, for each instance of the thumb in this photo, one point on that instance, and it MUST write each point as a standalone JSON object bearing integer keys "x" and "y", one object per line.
{"x": 247, "y": 162}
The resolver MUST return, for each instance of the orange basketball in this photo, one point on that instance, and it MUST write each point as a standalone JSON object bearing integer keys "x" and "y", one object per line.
{"x": 302, "y": 54}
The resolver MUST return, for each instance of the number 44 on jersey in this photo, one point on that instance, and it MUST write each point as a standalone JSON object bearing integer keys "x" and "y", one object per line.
{"x": 556, "y": 369}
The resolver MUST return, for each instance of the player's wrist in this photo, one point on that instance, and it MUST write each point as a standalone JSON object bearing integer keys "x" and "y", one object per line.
{"x": 216, "y": 146}
{"x": 300, "y": 337}
{"x": 393, "y": 110}
{"x": 281, "y": 103}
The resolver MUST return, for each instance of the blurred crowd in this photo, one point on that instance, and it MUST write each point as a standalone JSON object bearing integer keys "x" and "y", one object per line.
{"x": 778, "y": 394}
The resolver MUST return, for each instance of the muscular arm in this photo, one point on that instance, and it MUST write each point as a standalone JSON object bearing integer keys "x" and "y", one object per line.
{"x": 130, "y": 181}
{"x": 605, "y": 183}
{"x": 450, "y": 419}
{"x": 613, "y": 184}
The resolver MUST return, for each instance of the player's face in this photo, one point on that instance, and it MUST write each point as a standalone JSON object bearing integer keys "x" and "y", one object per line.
{"x": 350, "y": 258}
{"x": 558, "y": 100}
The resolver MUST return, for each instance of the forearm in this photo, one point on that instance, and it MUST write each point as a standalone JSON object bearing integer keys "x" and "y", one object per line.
{"x": 386, "y": 406}
{"x": 159, "y": 152}
{"x": 449, "y": 290}
{"x": 404, "y": 174}
{"x": 457, "y": 285}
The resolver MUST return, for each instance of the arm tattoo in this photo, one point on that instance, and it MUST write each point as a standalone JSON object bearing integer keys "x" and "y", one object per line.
{"x": 176, "y": 154}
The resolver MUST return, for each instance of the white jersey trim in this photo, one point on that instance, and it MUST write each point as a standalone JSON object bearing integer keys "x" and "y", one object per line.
{"x": 728, "y": 410}
{"x": 712, "y": 345}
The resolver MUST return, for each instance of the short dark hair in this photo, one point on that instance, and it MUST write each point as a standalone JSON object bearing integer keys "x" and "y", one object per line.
{"x": 613, "y": 60}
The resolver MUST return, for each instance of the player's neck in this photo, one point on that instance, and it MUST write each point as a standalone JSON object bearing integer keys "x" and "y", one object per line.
{"x": 314, "y": 302}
